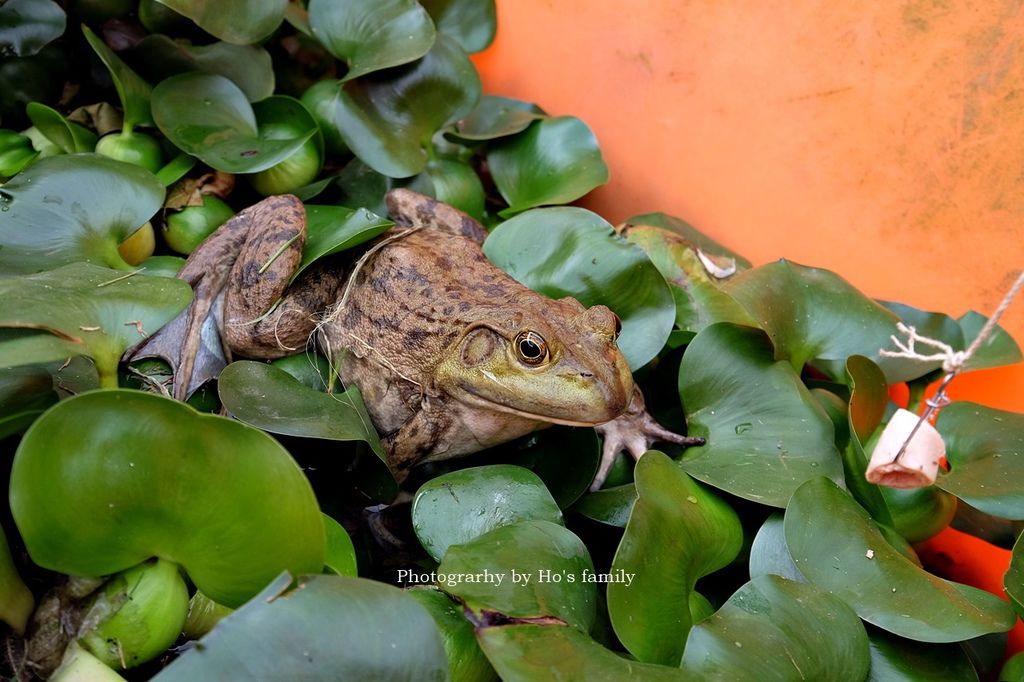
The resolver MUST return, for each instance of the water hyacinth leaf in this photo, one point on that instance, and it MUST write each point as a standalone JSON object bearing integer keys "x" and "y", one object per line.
{"x": 147, "y": 478}
{"x": 247, "y": 66}
{"x": 271, "y": 399}
{"x": 554, "y": 161}
{"x": 386, "y": 118}
{"x": 699, "y": 302}
{"x": 472, "y": 23}
{"x": 133, "y": 92}
{"x": 370, "y": 35}
{"x": 813, "y": 314}
{"x": 495, "y": 117}
{"x": 776, "y": 629}
{"x": 565, "y": 458}
{"x": 331, "y": 229}
{"x": 1013, "y": 580}
{"x": 26, "y": 26}
{"x": 236, "y": 21}
{"x": 651, "y": 616}
{"x": 339, "y": 554}
{"x": 58, "y": 211}
{"x": 1000, "y": 348}
{"x": 209, "y": 117}
{"x": 541, "y": 552}
{"x": 868, "y": 402}
{"x": 766, "y": 434}
{"x": 525, "y": 653}
{"x": 16, "y": 600}
{"x": 569, "y": 251}
{"x": 463, "y": 505}
{"x": 387, "y": 636}
{"x": 769, "y": 554}
{"x": 691, "y": 235}
{"x": 69, "y": 137}
{"x": 465, "y": 659}
{"x": 94, "y": 312}
{"x": 837, "y": 546}
{"x": 611, "y": 506}
{"x": 985, "y": 449}
{"x": 894, "y": 659}
{"x": 456, "y": 183}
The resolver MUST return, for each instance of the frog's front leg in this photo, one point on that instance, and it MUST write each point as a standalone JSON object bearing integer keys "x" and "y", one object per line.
{"x": 237, "y": 274}
{"x": 635, "y": 431}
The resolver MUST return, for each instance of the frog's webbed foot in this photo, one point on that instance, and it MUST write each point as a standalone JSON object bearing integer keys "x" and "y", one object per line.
{"x": 635, "y": 431}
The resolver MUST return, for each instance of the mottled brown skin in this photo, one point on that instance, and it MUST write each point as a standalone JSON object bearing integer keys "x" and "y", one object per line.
{"x": 429, "y": 330}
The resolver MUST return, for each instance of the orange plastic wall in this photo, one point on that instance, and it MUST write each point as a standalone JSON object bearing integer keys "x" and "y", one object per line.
{"x": 884, "y": 141}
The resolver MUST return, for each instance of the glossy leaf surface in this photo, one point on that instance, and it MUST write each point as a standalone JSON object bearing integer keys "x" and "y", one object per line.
{"x": 472, "y": 23}
{"x": 766, "y": 434}
{"x": 236, "y": 21}
{"x": 554, "y": 161}
{"x": 69, "y": 137}
{"x": 552, "y": 559}
{"x": 837, "y": 546}
{"x": 894, "y": 659}
{"x": 26, "y": 26}
{"x": 59, "y": 211}
{"x": 769, "y": 554}
{"x": 330, "y": 229}
{"x": 985, "y": 449}
{"x": 678, "y": 532}
{"x": 133, "y": 92}
{"x": 463, "y": 505}
{"x": 573, "y": 252}
{"x": 339, "y": 555}
{"x": 139, "y": 475}
{"x": 370, "y": 35}
{"x": 465, "y": 659}
{"x": 328, "y": 627}
{"x": 209, "y": 117}
{"x": 496, "y": 117}
{"x": 776, "y": 629}
{"x": 387, "y": 118}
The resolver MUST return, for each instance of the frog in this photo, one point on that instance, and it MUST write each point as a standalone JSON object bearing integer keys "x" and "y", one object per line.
{"x": 451, "y": 355}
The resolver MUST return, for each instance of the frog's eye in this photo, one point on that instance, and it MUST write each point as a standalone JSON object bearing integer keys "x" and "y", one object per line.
{"x": 530, "y": 347}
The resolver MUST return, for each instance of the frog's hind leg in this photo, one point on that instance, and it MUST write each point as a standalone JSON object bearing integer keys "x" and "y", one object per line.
{"x": 240, "y": 269}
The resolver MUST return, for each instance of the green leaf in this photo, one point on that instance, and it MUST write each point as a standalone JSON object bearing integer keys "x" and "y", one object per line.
{"x": 985, "y": 449}
{"x": 139, "y": 475}
{"x": 611, "y": 506}
{"x": 370, "y": 35}
{"x": 235, "y": 21}
{"x": 59, "y": 210}
{"x": 769, "y": 554}
{"x": 463, "y": 505}
{"x": 472, "y": 23}
{"x": 526, "y": 653}
{"x": 328, "y": 627}
{"x": 332, "y": 229}
{"x": 1000, "y": 348}
{"x": 69, "y": 137}
{"x": 776, "y": 629}
{"x": 93, "y": 311}
{"x": 133, "y": 92}
{"x": 565, "y": 458}
{"x": 25, "y": 392}
{"x": 465, "y": 659}
{"x": 554, "y": 161}
{"x": 388, "y": 118}
{"x": 938, "y": 326}
{"x": 1013, "y": 580}
{"x": 208, "y": 116}
{"x": 26, "y": 26}
{"x": 269, "y": 398}
{"x": 570, "y": 251}
{"x": 868, "y": 402}
{"x": 1013, "y": 669}
{"x": 247, "y": 66}
{"x": 543, "y": 569}
{"x": 837, "y": 546}
{"x": 16, "y": 601}
{"x": 678, "y": 532}
{"x": 339, "y": 555}
{"x": 813, "y": 314}
{"x": 690, "y": 235}
{"x": 495, "y": 117}
{"x": 894, "y": 659}
{"x": 456, "y": 183}
{"x": 699, "y": 302}
{"x": 766, "y": 434}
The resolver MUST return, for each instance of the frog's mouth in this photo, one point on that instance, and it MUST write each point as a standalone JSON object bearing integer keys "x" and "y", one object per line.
{"x": 480, "y": 400}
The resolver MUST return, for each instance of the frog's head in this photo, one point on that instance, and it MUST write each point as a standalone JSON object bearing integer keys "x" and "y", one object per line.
{"x": 555, "y": 362}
